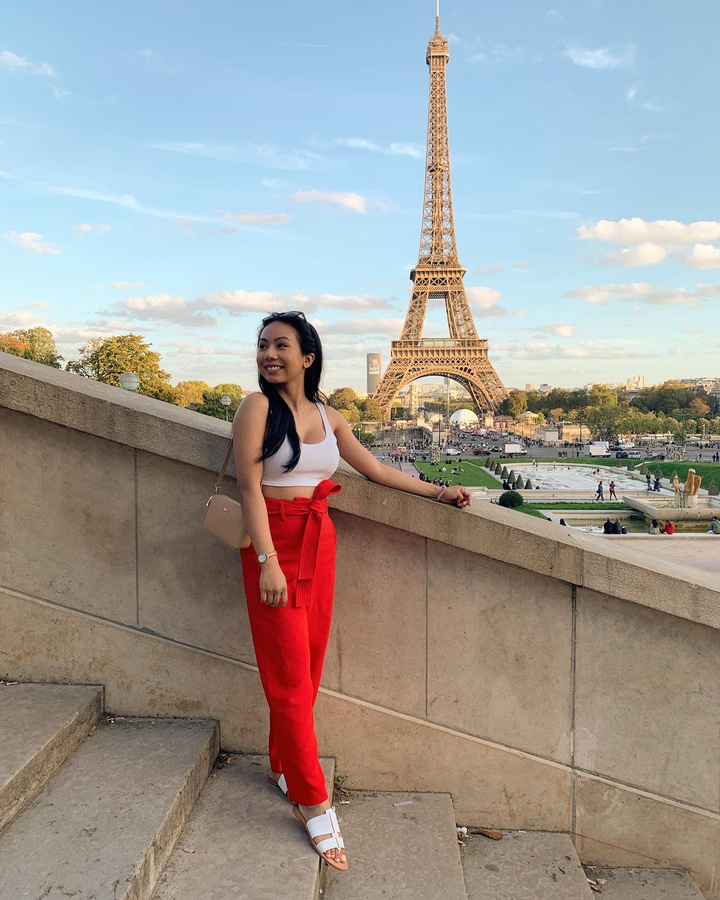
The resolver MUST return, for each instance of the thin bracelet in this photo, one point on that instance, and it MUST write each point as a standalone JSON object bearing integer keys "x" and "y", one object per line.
{"x": 439, "y": 496}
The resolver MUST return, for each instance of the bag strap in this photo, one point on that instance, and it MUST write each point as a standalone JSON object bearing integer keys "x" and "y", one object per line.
{"x": 221, "y": 476}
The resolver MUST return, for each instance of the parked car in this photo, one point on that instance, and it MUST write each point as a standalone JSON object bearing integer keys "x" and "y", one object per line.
{"x": 621, "y": 454}
{"x": 652, "y": 455}
{"x": 633, "y": 454}
{"x": 615, "y": 447}
{"x": 495, "y": 450}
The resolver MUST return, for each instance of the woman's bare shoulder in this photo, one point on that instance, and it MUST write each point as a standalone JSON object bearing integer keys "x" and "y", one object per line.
{"x": 253, "y": 409}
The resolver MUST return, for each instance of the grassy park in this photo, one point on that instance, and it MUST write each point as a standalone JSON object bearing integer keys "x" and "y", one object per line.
{"x": 475, "y": 474}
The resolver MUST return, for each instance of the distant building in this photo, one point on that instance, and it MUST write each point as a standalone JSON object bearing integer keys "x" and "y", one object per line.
{"x": 374, "y": 366}
{"x": 545, "y": 388}
{"x": 531, "y": 387}
{"x": 503, "y": 422}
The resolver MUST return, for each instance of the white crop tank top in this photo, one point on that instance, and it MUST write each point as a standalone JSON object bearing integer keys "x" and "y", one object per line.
{"x": 317, "y": 461}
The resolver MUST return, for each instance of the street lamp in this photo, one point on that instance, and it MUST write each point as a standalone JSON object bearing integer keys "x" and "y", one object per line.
{"x": 130, "y": 381}
{"x": 226, "y": 401}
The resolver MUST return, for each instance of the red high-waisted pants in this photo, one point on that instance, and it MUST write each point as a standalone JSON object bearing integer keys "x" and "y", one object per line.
{"x": 290, "y": 642}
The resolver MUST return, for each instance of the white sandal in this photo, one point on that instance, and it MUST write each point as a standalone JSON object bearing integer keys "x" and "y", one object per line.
{"x": 326, "y": 823}
{"x": 280, "y": 783}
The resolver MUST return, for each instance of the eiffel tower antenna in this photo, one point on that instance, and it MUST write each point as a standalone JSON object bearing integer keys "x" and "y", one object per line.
{"x": 439, "y": 275}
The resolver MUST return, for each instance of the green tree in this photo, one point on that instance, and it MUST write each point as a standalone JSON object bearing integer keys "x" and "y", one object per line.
{"x": 10, "y": 344}
{"x": 39, "y": 345}
{"x": 602, "y": 395}
{"x": 515, "y": 404}
{"x": 190, "y": 393}
{"x": 343, "y": 398}
{"x": 106, "y": 359}
{"x": 352, "y": 415}
{"x": 370, "y": 410}
{"x": 211, "y": 405}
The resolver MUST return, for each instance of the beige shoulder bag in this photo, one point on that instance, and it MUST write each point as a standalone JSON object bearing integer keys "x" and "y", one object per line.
{"x": 223, "y": 516}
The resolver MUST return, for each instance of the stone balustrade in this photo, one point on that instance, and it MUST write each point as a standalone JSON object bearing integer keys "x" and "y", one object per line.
{"x": 546, "y": 679}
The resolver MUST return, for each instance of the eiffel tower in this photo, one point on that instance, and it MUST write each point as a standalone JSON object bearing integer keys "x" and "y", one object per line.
{"x": 439, "y": 275}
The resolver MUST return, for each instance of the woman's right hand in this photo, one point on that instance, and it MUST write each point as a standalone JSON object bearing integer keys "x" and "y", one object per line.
{"x": 273, "y": 584}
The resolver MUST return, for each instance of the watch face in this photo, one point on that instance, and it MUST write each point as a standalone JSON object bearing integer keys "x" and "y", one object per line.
{"x": 262, "y": 557}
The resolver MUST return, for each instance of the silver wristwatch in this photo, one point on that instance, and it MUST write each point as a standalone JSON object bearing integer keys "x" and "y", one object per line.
{"x": 263, "y": 557}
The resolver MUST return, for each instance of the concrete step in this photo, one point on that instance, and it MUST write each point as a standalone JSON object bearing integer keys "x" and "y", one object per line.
{"x": 405, "y": 852}
{"x": 530, "y": 865}
{"x": 245, "y": 842}
{"x": 40, "y": 726}
{"x": 645, "y": 884}
{"x": 104, "y": 826}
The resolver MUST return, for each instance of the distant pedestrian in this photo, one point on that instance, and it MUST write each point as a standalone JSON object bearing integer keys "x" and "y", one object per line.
{"x": 656, "y": 486}
{"x": 599, "y": 495}
{"x": 607, "y": 526}
{"x": 669, "y": 527}
{"x": 613, "y": 495}
{"x": 647, "y": 479}
{"x": 714, "y": 526}
{"x": 654, "y": 527}
{"x": 617, "y": 527}
{"x": 563, "y": 522}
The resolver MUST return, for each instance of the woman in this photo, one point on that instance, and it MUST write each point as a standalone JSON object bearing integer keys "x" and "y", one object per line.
{"x": 654, "y": 527}
{"x": 287, "y": 445}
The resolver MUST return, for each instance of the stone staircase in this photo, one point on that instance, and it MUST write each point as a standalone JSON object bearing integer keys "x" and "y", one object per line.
{"x": 96, "y": 807}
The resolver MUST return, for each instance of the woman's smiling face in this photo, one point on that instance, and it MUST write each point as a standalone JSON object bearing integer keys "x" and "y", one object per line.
{"x": 279, "y": 358}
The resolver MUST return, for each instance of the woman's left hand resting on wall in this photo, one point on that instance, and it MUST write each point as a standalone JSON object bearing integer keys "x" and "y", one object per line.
{"x": 457, "y": 495}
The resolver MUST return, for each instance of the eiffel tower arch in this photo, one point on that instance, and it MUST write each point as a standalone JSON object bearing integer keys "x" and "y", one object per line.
{"x": 439, "y": 276}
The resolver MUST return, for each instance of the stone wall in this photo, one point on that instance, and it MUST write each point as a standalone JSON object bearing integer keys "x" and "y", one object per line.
{"x": 546, "y": 680}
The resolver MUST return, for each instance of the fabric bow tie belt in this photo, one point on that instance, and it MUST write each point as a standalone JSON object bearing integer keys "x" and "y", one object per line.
{"x": 314, "y": 510}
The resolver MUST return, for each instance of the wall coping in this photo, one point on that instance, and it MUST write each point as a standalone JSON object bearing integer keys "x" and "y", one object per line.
{"x": 619, "y": 569}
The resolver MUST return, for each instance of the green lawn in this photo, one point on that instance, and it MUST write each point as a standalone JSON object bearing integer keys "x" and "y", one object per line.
{"x": 475, "y": 475}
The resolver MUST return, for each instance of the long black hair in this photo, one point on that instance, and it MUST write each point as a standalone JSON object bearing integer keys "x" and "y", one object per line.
{"x": 280, "y": 420}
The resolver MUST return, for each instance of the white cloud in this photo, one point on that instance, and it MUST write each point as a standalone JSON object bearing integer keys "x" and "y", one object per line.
{"x": 483, "y": 302}
{"x": 60, "y": 93}
{"x": 97, "y": 287}
{"x": 652, "y": 242}
{"x": 600, "y": 294}
{"x": 632, "y": 92}
{"x": 123, "y": 285}
{"x": 643, "y": 293}
{"x": 496, "y": 268}
{"x": 497, "y": 53}
{"x": 702, "y": 256}
{"x": 647, "y": 254}
{"x": 21, "y": 64}
{"x": 660, "y": 231}
{"x": 394, "y": 149}
{"x": 165, "y": 308}
{"x": 554, "y": 15}
{"x": 32, "y": 242}
{"x": 239, "y": 302}
{"x": 693, "y": 331}
{"x": 582, "y": 350}
{"x": 253, "y": 218}
{"x": 603, "y": 57}
{"x": 362, "y": 326}
{"x": 519, "y": 313}
{"x": 347, "y": 199}
{"x": 86, "y": 228}
{"x": 36, "y": 304}
{"x": 269, "y": 156}
{"x": 559, "y": 329}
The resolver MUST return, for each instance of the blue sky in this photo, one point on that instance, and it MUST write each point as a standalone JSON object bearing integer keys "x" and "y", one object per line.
{"x": 179, "y": 169}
